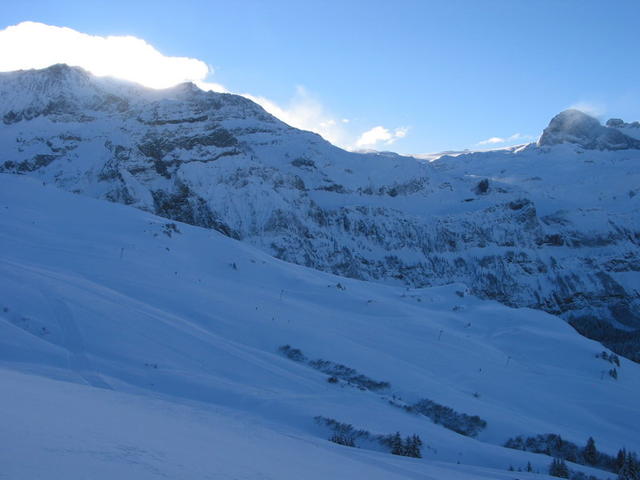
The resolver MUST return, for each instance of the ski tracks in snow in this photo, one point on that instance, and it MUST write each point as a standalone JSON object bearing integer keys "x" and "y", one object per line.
{"x": 72, "y": 341}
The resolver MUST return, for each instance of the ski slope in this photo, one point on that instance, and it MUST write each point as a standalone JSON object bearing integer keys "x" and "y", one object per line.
{"x": 135, "y": 347}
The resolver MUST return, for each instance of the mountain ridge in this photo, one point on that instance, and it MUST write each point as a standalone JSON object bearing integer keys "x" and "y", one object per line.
{"x": 513, "y": 224}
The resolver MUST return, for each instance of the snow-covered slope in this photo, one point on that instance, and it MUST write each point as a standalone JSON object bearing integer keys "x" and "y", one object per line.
{"x": 551, "y": 226}
{"x": 139, "y": 348}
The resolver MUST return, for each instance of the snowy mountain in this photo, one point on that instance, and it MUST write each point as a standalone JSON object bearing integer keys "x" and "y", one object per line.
{"x": 136, "y": 347}
{"x": 552, "y": 226}
{"x": 578, "y": 128}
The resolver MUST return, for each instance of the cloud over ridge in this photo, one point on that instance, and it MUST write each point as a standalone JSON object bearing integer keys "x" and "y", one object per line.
{"x": 36, "y": 45}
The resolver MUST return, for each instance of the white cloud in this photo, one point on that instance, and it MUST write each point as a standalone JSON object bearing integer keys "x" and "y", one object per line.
{"x": 492, "y": 141}
{"x": 590, "y": 108}
{"x": 214, "y": 87}
{"x": 306, "y": 112}
{"x": 382, "y": 135}
{"x": 36, "y": 45}
{"x": 511, "y": 139}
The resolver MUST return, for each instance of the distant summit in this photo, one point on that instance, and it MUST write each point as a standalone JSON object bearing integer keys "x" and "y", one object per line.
{"x": 619, "y": 123}
{"x": 574, "y": 126}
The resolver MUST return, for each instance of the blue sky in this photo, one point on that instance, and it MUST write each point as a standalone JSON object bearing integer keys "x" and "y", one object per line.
{"x": 434, "y": 75}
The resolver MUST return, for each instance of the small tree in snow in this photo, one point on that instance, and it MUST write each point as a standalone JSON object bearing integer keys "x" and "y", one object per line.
{"x": 630, "y": 469}
{"x": 558, "y": 468}
{"x": 620, "y": 458}
{"x": 412, "y": 446}
{"x": 590, "y": 453}
{"x": 397, "y": 448}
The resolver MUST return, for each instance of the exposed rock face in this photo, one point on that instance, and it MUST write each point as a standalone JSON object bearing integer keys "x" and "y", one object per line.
{"x": 574, "y": 126}
{"x": 553, "y": 227}
{"x": 619, "y": 123}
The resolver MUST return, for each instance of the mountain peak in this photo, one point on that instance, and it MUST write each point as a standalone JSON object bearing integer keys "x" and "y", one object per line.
{"x": 61, "y": 69}
{"x": 576, "y": 127}
{"x": 574, "y": 120}
{"x": 59, "y": 75}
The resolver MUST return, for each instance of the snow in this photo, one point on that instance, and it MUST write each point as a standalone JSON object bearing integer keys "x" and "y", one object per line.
{"x": 375, "y": 216}
{"x": 137, "y": 347}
